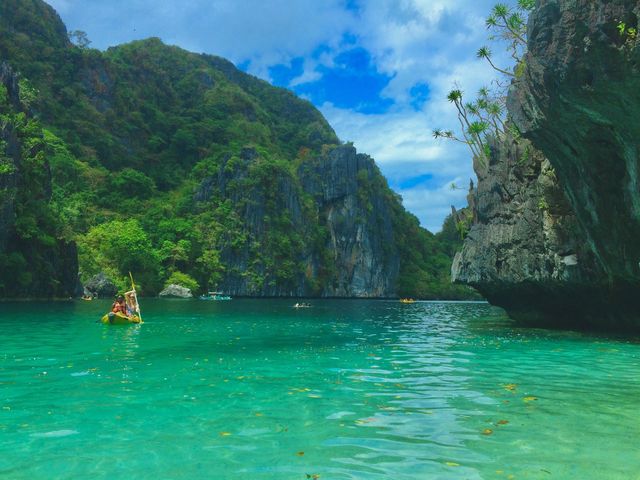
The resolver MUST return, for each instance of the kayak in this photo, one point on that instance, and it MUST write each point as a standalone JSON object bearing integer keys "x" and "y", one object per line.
{"x": 407, "y": 300}
{"x": 119, "y": 319}
{"x": 215, "y": 297}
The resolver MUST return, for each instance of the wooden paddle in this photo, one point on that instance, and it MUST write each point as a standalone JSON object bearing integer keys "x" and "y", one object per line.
{"x": 135, "y": 296}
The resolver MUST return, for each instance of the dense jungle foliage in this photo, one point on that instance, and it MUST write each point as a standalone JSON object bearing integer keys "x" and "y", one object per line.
{"x": 130, "y": 134}
{"x": 26, "y": 261}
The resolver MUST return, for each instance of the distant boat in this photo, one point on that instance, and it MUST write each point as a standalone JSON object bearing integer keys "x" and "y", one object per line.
{"x": 215, "y": 296}
{"x": 302, "y": 305}
{"x": 407, "y": 300}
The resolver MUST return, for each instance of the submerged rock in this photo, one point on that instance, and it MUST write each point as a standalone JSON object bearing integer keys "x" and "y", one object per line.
{"x": 176, "y": 291}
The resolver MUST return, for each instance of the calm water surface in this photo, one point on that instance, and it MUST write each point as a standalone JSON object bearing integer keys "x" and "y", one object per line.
{"x": 253, "y": 389}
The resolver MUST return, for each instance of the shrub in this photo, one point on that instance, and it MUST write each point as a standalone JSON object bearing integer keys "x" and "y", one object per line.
{"x": 179, "y": 278}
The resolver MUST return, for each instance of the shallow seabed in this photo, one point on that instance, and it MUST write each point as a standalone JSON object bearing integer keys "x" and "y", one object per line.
{"x": 254, "y": 389}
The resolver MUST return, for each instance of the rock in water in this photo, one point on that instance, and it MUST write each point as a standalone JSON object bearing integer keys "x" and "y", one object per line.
{"x": 578, "y": 102}
{"x": 525, "y": 250}
{"x": 176, "y": 291}
{"x": 572, "y": 260}
{"x": 348, "y": 198}
{"x": 101, "y": 285}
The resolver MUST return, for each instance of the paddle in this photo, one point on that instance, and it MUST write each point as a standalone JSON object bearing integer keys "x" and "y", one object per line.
{"x": 135, "y": 296}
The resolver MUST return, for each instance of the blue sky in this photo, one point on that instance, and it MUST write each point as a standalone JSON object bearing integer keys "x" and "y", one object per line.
{"x": 379, "y": 70}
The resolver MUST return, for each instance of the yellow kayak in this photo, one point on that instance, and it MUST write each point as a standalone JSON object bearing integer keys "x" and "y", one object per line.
{"x": 407, "y": 300}
{"x": 120, "y": 319}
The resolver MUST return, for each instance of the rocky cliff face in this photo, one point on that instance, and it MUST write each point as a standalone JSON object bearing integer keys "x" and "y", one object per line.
{"x": 348, "y": 251}
{"x": 33, "y": 262}
{"x": 358, "y": 219}
{"x": 564, "y": 249}
{"x": 577, "y": 101}
{"x": 10, "y": 158}
{"x": 525, "y": 251}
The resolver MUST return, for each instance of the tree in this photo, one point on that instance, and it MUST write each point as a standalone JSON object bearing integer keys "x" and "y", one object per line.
{"x": 79, "y": 39}
{"x": 486, "y": 115}
{"x": 119, "y": 247}
{"x": 182, "y": 279}
{"x": 508, "y": 24}
{"x": 473, "y": 125}
{"x": 132, "y": 183}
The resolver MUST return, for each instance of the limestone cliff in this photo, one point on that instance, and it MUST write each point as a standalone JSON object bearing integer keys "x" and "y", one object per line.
{"x": 578, "y": 102}
{"x": 358, "y": 219}
{"x": 347, "y": 250}
{"x": 10, "y": 157}
{"x": 34, "y": 260}
{"x": 524, "y": 250}
{"x": 560, "y": 245}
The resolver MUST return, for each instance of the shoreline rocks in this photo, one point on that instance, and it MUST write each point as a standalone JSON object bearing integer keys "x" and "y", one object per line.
{"x": 101, "y": 286}
{"x": 175, "y": 291}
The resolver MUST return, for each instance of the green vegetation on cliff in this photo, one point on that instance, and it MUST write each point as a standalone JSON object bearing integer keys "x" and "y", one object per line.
{"x": 179, "y": 167}
{"x": 32, "y": 250}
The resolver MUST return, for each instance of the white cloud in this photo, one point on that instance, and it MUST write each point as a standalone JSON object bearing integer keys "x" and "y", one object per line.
{"x": 432, "y": 42}
{"x": 433, "y": 205}
{"x": 309, "y": 74}
{"x": 266, "y": 33}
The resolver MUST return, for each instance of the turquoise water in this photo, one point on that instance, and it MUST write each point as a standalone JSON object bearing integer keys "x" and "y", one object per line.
{"x": 253, "y": 389}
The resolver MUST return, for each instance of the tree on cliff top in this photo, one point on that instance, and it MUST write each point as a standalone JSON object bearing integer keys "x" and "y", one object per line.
{"x": 486, "y": 115}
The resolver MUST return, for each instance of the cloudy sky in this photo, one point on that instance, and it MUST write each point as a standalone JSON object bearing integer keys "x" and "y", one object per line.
{"x": 379, "y": 70}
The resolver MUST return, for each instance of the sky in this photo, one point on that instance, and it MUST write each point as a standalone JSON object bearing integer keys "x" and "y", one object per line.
{"x": 379, "y": 70}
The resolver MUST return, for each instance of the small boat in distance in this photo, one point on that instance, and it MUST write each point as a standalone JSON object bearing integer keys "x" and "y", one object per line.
{"x": 215, "y": 296}
{"x": 407, "y": 300}
{"x": 302, "y": 305}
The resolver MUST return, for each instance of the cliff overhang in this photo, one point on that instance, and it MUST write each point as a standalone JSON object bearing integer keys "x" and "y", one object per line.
{"x": 561, "y": 248}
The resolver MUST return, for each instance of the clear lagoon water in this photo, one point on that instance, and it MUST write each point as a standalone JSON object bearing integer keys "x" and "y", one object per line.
{"x": 254, "y": 389}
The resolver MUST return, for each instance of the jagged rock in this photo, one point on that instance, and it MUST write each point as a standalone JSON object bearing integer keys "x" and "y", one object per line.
{"x": 101, "y": 285}
{"x": 577, "y": 101}
{"x": 524, "y": 244}
{"x": 359, "y": 235}
{"x": 572, "y": 260}
{"x": 176, "y": 291}
{"x": 9, "y": 179}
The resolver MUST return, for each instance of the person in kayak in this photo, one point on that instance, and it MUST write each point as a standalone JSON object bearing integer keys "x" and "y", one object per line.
{"x": 131, "y": 303}
{"x": 119, "y": 306}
